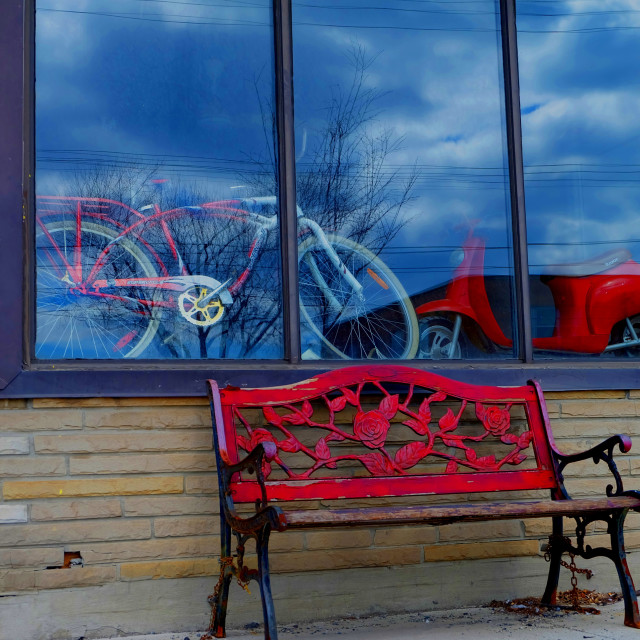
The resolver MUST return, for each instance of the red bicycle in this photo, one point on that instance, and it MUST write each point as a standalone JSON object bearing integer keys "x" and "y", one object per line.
{"x": 111, "y": 281}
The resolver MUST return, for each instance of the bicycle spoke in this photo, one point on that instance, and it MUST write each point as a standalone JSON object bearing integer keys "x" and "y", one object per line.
{"x": 375, "y": 322}
{"x": 73, "y": 319}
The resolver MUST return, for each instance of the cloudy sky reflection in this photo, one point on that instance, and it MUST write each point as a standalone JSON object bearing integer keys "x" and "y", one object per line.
{"x": 400, "y": 134}
{"x": 580, "y": 98}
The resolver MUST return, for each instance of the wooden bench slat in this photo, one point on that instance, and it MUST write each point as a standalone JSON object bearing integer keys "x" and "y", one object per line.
{"x": 441, "y": 514}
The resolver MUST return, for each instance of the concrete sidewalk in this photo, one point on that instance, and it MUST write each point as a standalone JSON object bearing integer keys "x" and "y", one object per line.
{"x": 474, "y": 623}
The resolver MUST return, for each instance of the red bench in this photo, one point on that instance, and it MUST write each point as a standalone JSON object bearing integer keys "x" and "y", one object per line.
{"x": 376, "y": 431}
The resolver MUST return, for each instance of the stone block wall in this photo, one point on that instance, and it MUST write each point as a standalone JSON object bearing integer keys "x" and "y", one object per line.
{"x": 118, "y": 497}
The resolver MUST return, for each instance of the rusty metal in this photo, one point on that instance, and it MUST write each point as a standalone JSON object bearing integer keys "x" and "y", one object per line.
{"x": 359, "y": 407}
{"x": 565, "y": 545}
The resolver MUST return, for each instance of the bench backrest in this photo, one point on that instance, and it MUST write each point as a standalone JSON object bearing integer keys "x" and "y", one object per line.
{"x": 385, "y": 430}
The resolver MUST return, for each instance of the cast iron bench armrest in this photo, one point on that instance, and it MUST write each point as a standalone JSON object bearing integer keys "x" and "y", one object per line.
{"x": 265, "y": 514}
{"x": 602, "y": 451}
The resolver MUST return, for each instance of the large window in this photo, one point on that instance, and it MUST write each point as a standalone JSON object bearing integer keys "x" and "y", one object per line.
{"x": 157, "y": 210}
{"x": 278, "y": 184}
{"x": 153, "y": 134}
{"x": 579, "y": 98}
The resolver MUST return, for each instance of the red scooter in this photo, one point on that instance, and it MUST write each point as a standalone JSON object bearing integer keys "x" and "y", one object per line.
{"x": 597, "y": 306}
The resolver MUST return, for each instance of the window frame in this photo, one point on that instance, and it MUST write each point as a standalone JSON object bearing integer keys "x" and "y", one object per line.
{"x": 20, "y": 376}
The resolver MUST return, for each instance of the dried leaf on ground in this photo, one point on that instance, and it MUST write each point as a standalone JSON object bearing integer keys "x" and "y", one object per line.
{"x": 532, "y": 606}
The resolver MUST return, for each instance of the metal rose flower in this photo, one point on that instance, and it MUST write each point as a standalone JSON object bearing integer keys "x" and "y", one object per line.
{"x": 496, "y": 421}
{"x": 371, "y": 428}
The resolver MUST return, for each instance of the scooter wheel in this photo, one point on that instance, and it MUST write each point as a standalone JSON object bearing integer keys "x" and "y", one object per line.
{"x": 622, "y": 334}
{"x": 436, "y": 340}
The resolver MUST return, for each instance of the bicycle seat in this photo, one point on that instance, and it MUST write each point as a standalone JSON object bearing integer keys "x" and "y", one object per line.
{"x": 599, "y": 264}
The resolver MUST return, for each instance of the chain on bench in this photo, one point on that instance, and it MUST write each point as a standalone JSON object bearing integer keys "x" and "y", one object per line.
{"x": 565, "y": 543}
{"x": 225, "y": 561}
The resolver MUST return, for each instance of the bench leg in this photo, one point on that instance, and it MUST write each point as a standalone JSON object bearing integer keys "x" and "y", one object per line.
{"x": 555, "y": 556}
{"x": 262, "y": 543}
{"x": 222, "y": 591}
{"x": 619, "y": 557}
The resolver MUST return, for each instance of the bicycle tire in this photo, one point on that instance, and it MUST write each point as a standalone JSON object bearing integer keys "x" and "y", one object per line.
{"x": 71, "y": 324}
{"x": 381, "y": 323}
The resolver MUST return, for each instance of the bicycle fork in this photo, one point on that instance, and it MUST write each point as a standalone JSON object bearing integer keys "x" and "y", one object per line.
{"x": 317, "y": 231}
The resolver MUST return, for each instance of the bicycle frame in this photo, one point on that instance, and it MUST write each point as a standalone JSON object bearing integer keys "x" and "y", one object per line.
{"x": 242, "y": 211}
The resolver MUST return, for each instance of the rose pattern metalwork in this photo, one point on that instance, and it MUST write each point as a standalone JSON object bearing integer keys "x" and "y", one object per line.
{"x": 370, "y": 428}
{"x": 496, "y": 421}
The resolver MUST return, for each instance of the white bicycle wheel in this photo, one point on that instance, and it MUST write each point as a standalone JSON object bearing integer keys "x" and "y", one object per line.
{"x": 378, "y": 322}
{"x": 74, "y": 319}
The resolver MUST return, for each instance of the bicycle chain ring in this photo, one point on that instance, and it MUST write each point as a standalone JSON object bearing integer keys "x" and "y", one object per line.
{"x": 200, "y": 316}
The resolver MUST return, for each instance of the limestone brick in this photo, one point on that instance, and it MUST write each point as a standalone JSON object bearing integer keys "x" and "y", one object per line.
{"x": 169, "y": 569}
{"x": 286, "y": 541}
{"x": 16, "y": 580}
{"x": 398, "y": 536}
{"x": 145, "y": 463}
{"x": 23, "y": 489}
{"x": 30, "y": 420}
{"x": 38, "y": 557}
{"x": 588, "y": 487}
{"x": 337, "y": 539}
{"x": 598, "y": 428}
{"x": 169, "y": 505}
{"x": 600, "y": 394}
{"x": 598, "y": 409}
{"x": 150, "y": 418}
{"x": 330, "y": 559}
{"x": 635, "y": 468}
{"x": 152, "y": 549}
{"x": 631, "y": 539}
{"x": 537, "y": 527}
{"x": 12, "y": 513}
{"x": 185, "y": 526}
{"x": 72, "y": 532}
{"x": 29, "y": 467}
{"x": 632, "y": 521}
{"x": 126, "y": 442}
{"x": 13, "y": 403}
{"x": 74, "y": 577}
{"x": 76, "y": 509}
{"x": 502, "y": 549}
{"x": 201, "y": 484}
{"x": 553, "y": 409}
{"x": 480, "y": 530}
{"x": 13, "y": 445}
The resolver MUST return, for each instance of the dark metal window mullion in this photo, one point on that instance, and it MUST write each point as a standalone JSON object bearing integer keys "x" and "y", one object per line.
{"x": 287, "y": 177}
{"x": 29, "y": 171}
{"x": 516, "y": 178}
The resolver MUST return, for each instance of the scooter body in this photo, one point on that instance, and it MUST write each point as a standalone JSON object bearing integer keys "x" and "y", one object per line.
{"x": 591, "y": 299}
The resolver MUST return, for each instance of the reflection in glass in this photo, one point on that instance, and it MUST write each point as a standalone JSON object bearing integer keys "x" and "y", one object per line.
{"x": 579, "y": 102}
{"x": 156, "y": 221}
{"x": 400, "y": 156}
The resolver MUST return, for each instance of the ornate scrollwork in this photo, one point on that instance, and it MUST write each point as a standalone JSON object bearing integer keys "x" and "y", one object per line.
{"x": 602, "y": 451}
{"x": 370, "y": 428}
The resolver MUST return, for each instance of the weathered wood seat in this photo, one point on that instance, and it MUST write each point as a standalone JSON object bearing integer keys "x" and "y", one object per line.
{"x": 368, "y": 432}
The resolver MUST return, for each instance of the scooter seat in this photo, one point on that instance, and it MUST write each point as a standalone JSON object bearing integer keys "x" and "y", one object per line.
{"x": 599, "y": 264}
